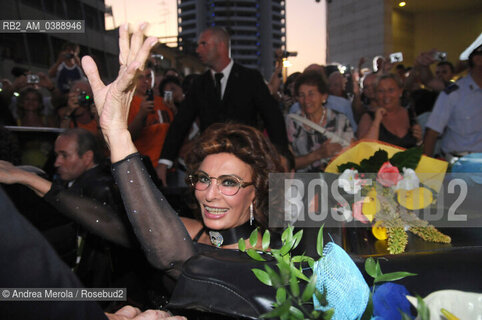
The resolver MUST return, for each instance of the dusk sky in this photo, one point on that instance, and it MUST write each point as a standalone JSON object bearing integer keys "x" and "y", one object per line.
{"x": 305, "y": 24}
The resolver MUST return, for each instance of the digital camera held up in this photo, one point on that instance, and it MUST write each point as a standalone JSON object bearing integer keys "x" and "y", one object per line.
{"x": 84, "y": 99}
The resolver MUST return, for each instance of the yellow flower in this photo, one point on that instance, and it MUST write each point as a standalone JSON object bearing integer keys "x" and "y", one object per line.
{"x": 415, "y": 199}
{"x": 371, "y": 205}
{"x": 379, "y": 231}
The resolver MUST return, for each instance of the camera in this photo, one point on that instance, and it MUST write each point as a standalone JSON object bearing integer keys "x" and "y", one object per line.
{"x": 440, "y": 55}
{"x": 168, "y": 96}
{"x": 33, "y": 78}
{"x": 396, "y": 57}
{"x": 69, "y": 55}
{"x": 287, "y": 54}
{"x": 84, "y": 99}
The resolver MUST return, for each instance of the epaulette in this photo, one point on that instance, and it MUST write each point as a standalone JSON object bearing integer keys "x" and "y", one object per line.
{"x": 451, "y": 88}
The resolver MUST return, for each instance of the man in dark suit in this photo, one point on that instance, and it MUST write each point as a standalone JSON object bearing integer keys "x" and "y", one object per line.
{"x": 227, "y": 92}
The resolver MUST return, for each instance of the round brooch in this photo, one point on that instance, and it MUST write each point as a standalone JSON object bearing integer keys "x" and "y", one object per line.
{"x": 216, "y": 238}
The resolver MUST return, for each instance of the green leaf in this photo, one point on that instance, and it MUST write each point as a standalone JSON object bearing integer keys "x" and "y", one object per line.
{"x": 407, "y": 159}
{"x": 262, "y": 276}
{"x": 287, "y": 247}
{"x": 393, "y": 276}
{"x": 422, "y": 310}
{"x": 368, "y": 313}
{"x": 349, "y": 165}
{"x": 321, "y": 297}
{"x": 284, "y": 269}
{"x": 370, "y": 267}
{"x": 277, "y": 312}
{"x": 287, "y": 235}
{"x": 297, "y": 238}
{"x": 298, "y": 259}
{"x": 329, "y": 314}
{"x": 280, "y": 295}
{"x": 297, "y": 272}
{"x": 253, "y": 238}
{"x": 311, "y": 263}
{"x": 309, "y": 290}
{"x": 274, "y": 276}
{"x": 254, "y": 254}
{"x": 296, "y": 313}
{"x": 378, "y": 270}
{"x": 375, "y": 162}
{"x": 294, "y": 286}
{"x": 405, "y": 316}
{"x": 315, "y": 314}
{"x": 241, "y": 245}
{"x": 319, "y": 242}
{"x": 266, "y": 240}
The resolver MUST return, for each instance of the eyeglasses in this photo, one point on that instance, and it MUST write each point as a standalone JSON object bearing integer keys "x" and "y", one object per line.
{"x": 229, "y": 185}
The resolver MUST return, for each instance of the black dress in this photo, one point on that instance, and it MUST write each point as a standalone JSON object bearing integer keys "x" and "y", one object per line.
{"x": 28, "y": 261}
{"x": 168, "y": 246}
{"x": 407, "y": 141}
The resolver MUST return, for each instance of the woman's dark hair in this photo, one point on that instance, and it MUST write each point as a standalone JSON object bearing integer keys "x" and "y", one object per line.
{"x": 21, "y": 100}
{"x": 250, "y": 146}
{"x": 166, "y": 80}
{"x": 312, "y": 78}
{"x": 291, "y": 79}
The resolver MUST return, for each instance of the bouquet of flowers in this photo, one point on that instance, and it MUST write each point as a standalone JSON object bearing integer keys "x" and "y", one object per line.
{"x": 388, "y": 201}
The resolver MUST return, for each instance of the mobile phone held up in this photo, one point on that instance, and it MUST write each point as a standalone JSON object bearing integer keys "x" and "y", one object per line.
{"x": 396, "y": 57}
{"x": 168, "y": 96}
{"x": 150, "y": 95}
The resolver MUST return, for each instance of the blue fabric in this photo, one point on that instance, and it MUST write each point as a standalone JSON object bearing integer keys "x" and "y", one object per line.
{"x": 471, "y": 163}
{"x": 388, "y": 300}
{"x": 346, "y": 290}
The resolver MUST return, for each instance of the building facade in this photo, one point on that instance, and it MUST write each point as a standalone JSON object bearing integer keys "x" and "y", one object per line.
{"x": 257, "y": 28}
{"x": 370, "y": 28}
{"x": 38, "y": 51}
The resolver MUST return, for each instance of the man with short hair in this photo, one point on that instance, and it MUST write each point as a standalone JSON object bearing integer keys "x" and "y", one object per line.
{"x": 457, "y": 113}
{"x": 78, "y": 170}
{"x": 226, "y": 92}
{"x": 445, "y": 71}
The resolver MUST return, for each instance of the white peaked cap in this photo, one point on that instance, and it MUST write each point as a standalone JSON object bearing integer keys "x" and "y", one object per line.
{"x": 477, "y": 43}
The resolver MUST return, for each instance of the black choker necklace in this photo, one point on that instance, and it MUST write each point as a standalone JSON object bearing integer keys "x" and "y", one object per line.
{"x": 230, "y": 236}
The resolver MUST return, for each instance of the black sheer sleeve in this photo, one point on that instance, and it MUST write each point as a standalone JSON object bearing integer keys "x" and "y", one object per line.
{"x": 162, "y": 235}
{"x": 97, "y": 217}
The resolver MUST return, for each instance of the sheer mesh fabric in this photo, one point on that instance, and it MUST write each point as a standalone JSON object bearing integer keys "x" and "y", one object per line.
{"x": 162, "y": 235}
{"x": 97, "y": 217}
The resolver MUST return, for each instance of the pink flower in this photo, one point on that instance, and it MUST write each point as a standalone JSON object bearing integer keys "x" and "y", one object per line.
{"x": 388, "y": 175}
{"x": 357, "y": 212}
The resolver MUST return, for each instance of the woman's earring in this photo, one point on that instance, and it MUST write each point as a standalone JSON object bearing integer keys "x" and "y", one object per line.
{"x": 251, "y": 214}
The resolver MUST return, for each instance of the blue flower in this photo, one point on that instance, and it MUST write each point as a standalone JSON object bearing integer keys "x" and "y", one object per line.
{"x": 389, "y": 300}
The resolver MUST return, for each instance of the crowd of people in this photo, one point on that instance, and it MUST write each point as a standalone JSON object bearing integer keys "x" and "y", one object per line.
{"x": 224, "y": 131}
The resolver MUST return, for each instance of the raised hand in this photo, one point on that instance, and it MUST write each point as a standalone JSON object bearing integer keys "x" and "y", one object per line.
{"x": 132, "y": 313}
{"x": 9, "y": 173}
{"x": 113, "y": 101}
{"x": 379, "y": 114}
